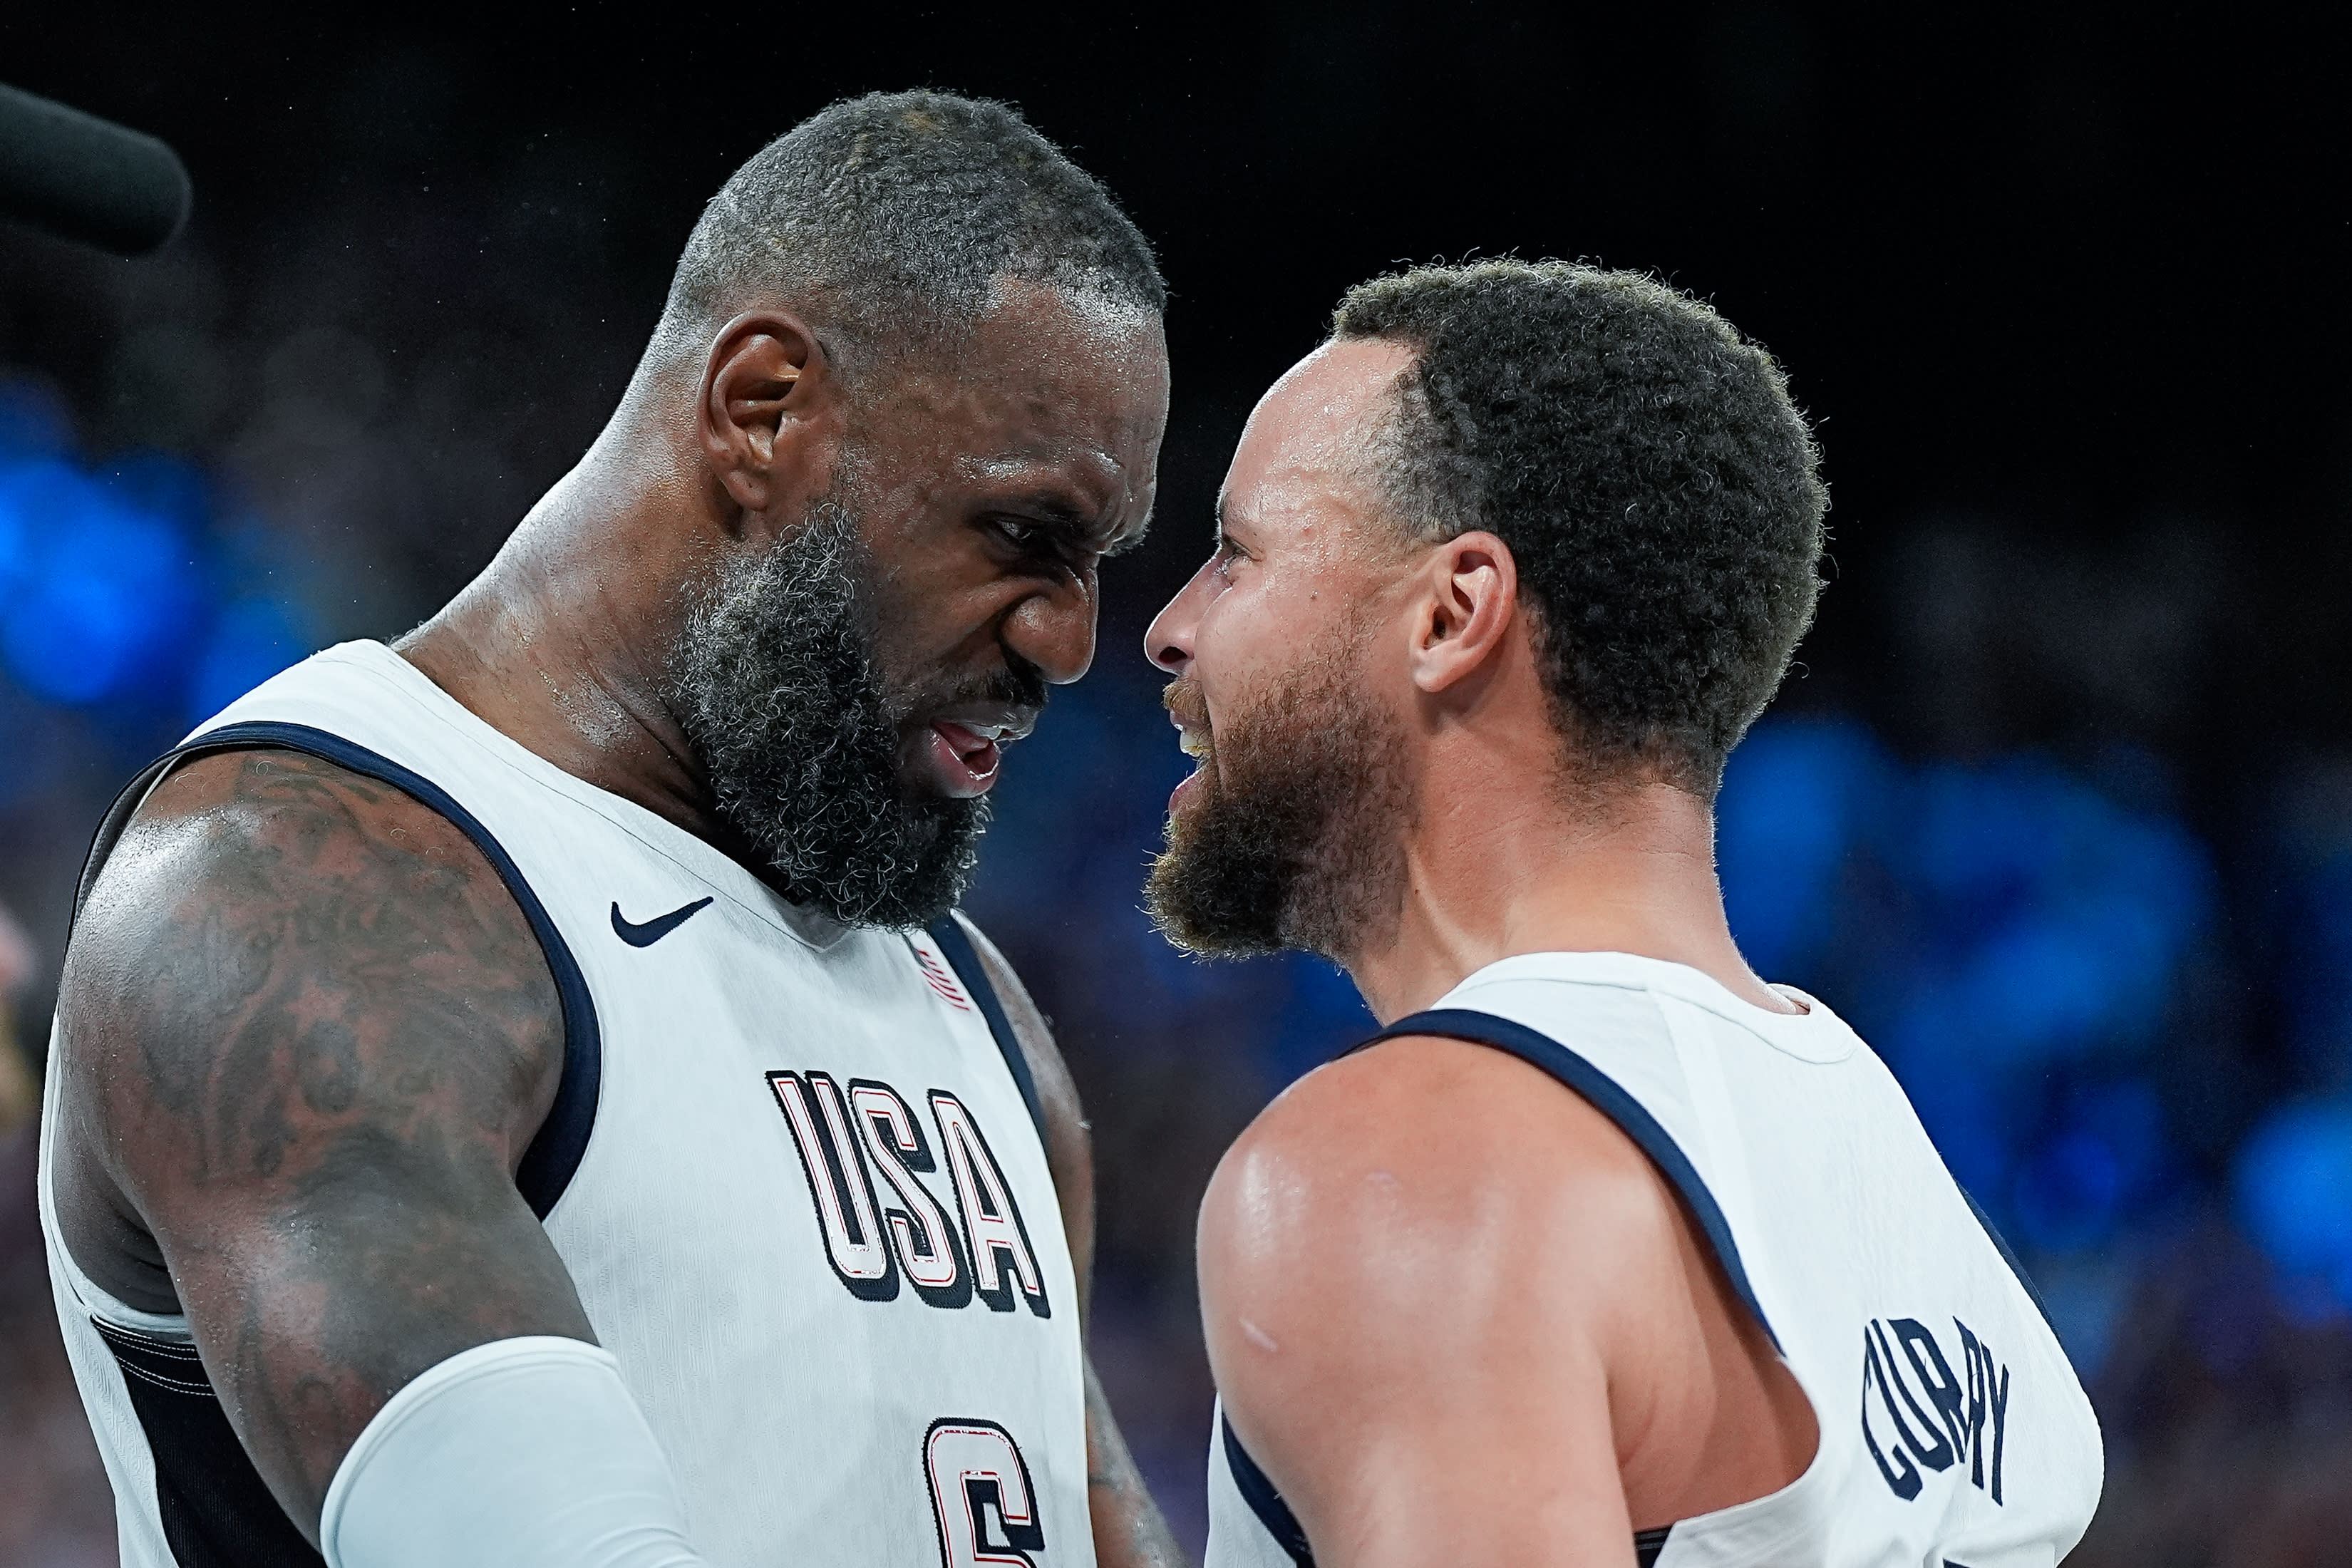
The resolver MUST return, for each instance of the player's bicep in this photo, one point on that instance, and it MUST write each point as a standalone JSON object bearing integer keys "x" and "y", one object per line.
{"x": 1416, "y": 1383}
{"x": 315, "y": 1034}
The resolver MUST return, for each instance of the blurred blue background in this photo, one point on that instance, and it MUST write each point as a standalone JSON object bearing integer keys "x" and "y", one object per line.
{"x": 2057, "y": 811}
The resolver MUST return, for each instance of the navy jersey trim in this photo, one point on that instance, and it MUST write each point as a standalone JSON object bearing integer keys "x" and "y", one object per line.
{"x": 1606, "y": 1096}
{"x": 955, "y": 943}
{"x": 1264, "y": 1500}
{"x": 556, "y": 1149}
{"x": 216, "y": 1511}
{"x": 2001, "y": 1243}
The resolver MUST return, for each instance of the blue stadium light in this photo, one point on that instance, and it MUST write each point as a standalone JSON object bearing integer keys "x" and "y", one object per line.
{"x": 2006, "y": 933}
{"x": 250, "y": 640}
{"x": 2294, "y": 1192}
{"x": 106, "y": 585}
{"x": 1796, "y": 797}
{"x": 100, "y": 591}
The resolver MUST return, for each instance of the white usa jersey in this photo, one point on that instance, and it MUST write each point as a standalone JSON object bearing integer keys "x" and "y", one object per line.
{"x": 1953, "y": 1431}
{"x": 795, "y": 1169}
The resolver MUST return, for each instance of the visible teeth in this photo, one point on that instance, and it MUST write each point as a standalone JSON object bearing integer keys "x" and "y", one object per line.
{"x": 1193, "y": 745}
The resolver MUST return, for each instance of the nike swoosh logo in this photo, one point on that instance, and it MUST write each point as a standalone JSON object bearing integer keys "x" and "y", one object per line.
{"x": 653, "y": 930}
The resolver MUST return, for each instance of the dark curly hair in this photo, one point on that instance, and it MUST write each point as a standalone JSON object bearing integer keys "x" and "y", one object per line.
{"x": 888, "y": 218}
{"x": 1646, "y": 467}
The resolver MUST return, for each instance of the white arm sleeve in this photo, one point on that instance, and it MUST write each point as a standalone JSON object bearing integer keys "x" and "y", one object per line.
{"x": 523, "y": 1453}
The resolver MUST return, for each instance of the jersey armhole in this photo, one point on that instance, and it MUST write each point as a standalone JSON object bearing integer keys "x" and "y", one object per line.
{"x": 1610, "y": 1099}
{"x": 956, "y": 946}
{"x": 1257, "y": 1490}
{"x": 2001, "y": 1245}
{"x": 556, "y": 1149}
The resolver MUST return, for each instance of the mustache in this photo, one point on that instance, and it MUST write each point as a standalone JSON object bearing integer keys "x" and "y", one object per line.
{"x": 1018, "y": 685}
{"x": 1181, "y": 696}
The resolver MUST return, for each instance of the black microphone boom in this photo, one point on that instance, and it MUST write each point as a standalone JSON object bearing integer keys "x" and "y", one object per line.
{"x": 88, "y": 179}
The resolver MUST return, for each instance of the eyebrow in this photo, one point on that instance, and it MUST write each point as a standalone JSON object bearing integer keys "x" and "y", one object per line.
{"x": 1056, "y": 507}
{"x": 1225, "y": 521}
{"x": 1078, "y": 526}
{"x": 1121, "y": 543}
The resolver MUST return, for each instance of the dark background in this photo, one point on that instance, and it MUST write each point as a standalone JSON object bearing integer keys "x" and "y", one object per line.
{"x": 2063, "y": 291}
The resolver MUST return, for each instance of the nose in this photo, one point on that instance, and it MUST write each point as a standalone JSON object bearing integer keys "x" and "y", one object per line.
{"x": 1168, "y": 641}
{"x": 1055, "y": 632}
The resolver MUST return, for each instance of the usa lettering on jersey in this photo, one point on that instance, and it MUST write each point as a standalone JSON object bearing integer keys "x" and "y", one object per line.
{"x": 866, "y": 1154}
{"x": 1952, "y": 1418}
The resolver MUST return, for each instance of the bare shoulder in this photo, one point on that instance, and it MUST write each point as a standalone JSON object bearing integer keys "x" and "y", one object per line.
{"x": 1415, "y": 1194}
{"x": 277, "y": 948}
{"x": 1420, "y": 1271}
{"x": 1427, "y": 1130}
{"x": 307, "y": 1036}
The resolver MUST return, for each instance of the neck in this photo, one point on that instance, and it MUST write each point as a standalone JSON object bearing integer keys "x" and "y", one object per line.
{"x": 563, "y": 643}
{"x": 1509, "y": 864}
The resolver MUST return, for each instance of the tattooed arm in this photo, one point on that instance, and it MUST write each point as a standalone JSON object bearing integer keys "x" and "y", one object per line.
{"x": 1128, "y": 1531}
{"x": 307, "y": 1038}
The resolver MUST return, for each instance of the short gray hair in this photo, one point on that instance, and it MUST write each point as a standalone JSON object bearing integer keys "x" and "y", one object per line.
{"x": 889, "y": 218}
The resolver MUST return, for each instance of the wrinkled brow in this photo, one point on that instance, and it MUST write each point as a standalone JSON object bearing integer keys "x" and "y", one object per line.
{"x": 1077, "y": 526}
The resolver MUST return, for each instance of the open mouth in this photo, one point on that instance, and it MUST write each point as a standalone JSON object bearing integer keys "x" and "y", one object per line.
{"x": 1190, "y": 713}
{"x": 1194, "y": 743}
{"x": 964, "y": 757}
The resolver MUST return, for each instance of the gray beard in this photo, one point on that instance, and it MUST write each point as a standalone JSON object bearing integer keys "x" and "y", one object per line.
{"x": 779, "y": 687}
{"x": 1301, "y": 843}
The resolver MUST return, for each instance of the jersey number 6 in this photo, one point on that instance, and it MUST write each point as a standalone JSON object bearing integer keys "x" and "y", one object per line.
{"x": 981, "y": 1496}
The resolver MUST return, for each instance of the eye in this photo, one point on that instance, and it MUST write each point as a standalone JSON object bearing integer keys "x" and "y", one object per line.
{"x": 1015, "y": 531}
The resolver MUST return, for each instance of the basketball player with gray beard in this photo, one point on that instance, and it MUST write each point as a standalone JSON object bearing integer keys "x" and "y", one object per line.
{"x": 1603, "y": 1249}
{"x": 523, "y": 1096}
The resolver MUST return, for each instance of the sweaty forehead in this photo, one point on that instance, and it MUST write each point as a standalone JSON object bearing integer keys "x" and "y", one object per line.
{"x": 1051, "y": 402}
{"x": 1312, "y": 434}
{"x": 1047, "y": 362}
{"x": 1055, "y": 342}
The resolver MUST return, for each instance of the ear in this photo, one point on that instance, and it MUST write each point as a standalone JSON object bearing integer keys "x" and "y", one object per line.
{"x": 766, "y": 374}
{"x": 1471, "y": 595}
